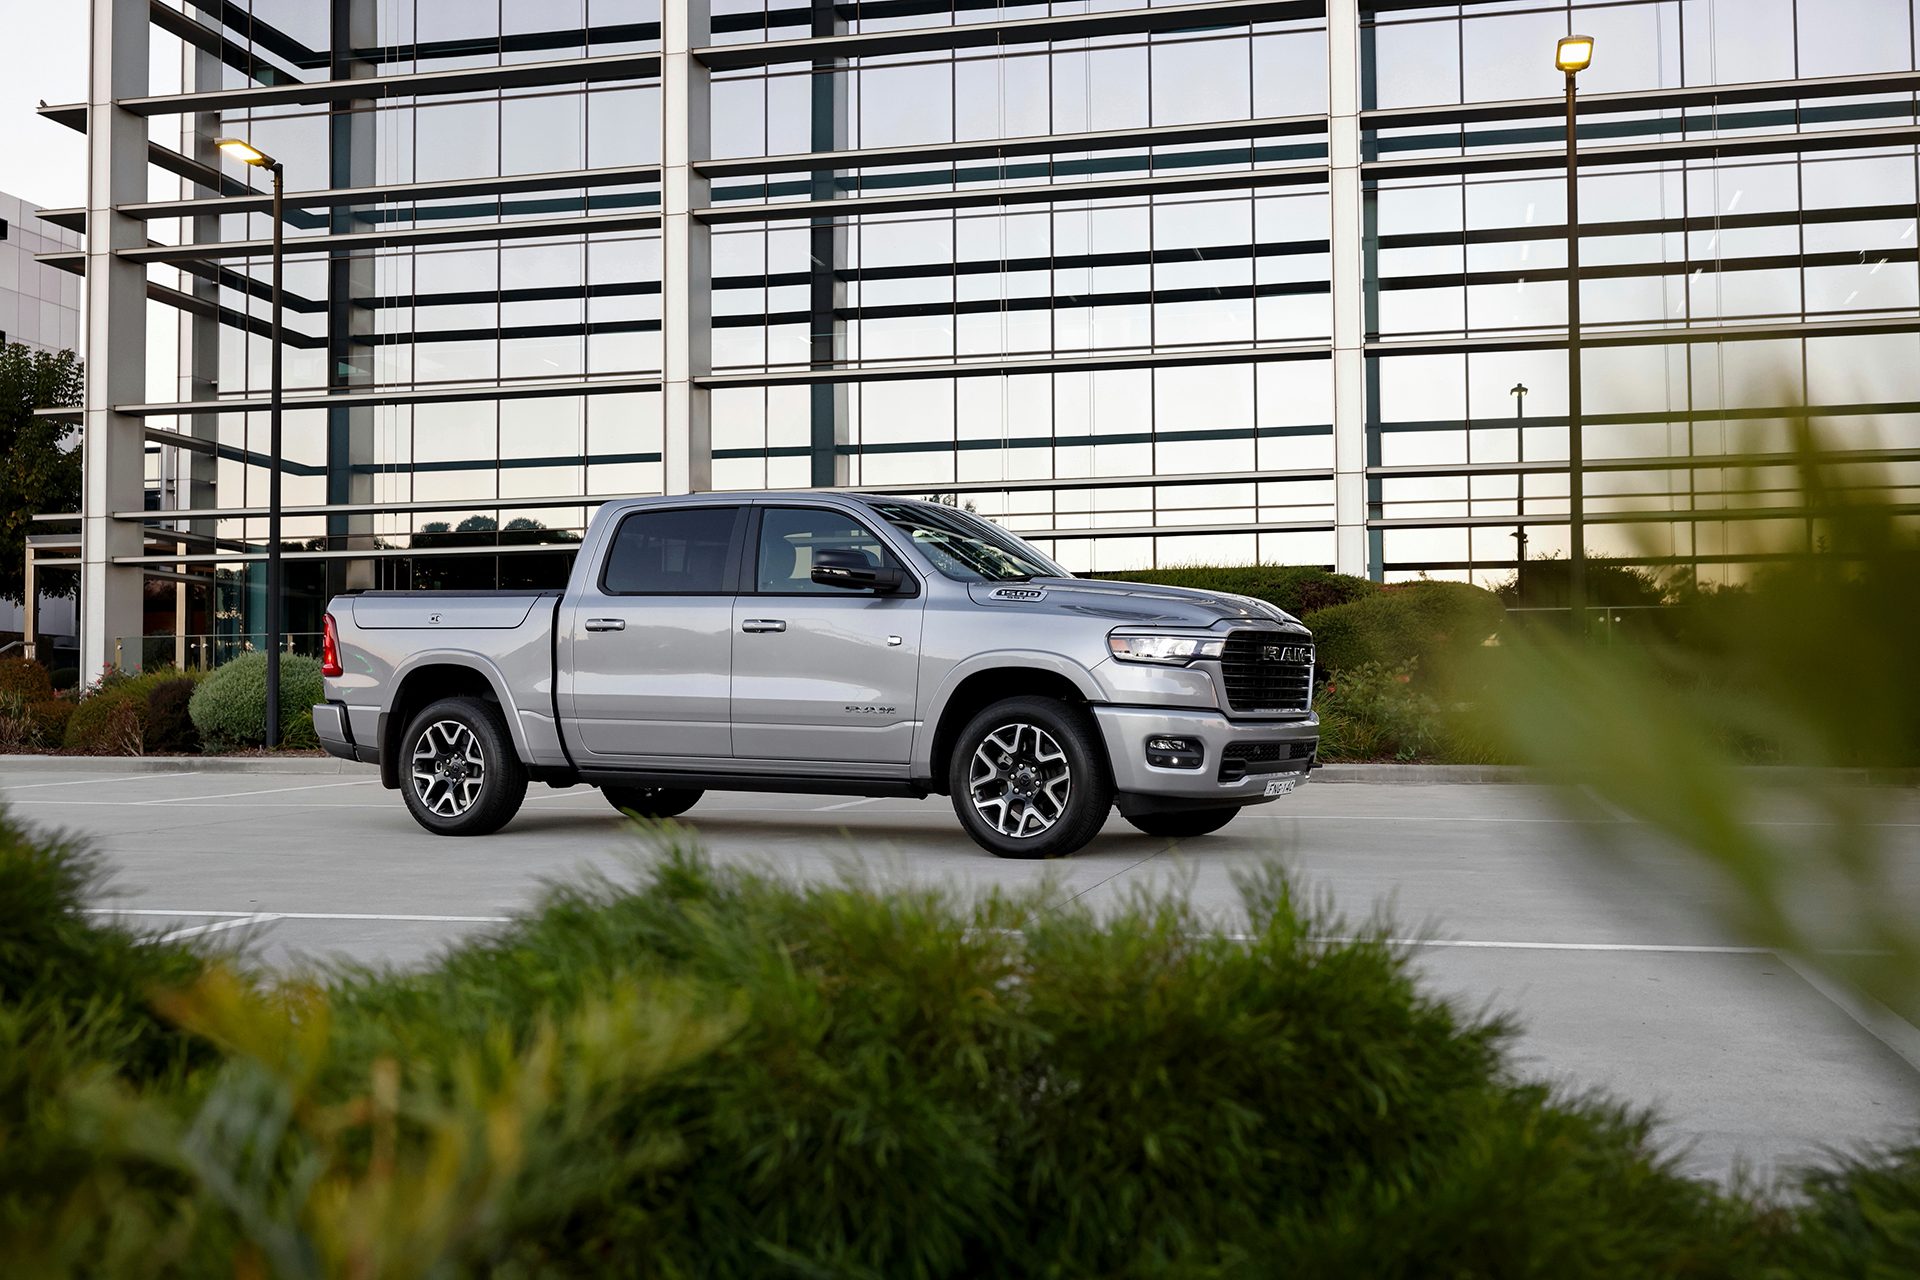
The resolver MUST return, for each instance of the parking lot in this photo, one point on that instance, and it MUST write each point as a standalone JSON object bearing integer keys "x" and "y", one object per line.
{"x": 1617, "y": 974}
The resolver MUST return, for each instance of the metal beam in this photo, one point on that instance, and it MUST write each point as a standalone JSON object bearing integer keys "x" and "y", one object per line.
{"x": 976, "y": 197}
{"x": 396, "y": 193}
{"x": 395, "y": 238}
{"x": 1089, "y": 361}
{"x": 416, "y": 84}
{"x": 398, "y": 395}
{"x": 939, "y": 153}
{"x": 973, "y": 35}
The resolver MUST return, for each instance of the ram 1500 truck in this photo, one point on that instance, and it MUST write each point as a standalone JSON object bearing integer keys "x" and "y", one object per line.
{"x": 832, "y": 643}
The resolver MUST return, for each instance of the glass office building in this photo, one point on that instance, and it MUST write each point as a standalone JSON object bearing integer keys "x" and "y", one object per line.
{"x": 1151, "y": 284}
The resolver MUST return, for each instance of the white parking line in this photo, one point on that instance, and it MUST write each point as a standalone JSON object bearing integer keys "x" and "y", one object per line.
{"x": 242, "y": 917}
{"x": 264, "y": 791}
{"x": 107, "y": 777}
{"x": 219, "y": 926}
{"x": 833, "y": 808}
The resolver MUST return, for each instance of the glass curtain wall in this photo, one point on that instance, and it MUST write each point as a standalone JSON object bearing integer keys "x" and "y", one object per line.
{"x": 1073, "y": 268}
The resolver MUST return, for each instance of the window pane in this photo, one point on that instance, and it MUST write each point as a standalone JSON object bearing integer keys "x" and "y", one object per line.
{"x": 663, "y": 553}
{"x": 790, "y": 535}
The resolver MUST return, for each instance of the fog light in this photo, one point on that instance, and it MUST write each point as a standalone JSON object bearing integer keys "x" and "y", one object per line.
{"x": 1174, "y": 753}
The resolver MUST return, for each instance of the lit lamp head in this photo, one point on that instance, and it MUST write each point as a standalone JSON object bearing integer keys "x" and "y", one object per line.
{"x": 245, "y": 152}
{"x": 1573, "y": 54}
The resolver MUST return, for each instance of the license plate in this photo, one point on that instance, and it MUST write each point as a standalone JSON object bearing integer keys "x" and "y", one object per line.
{"x": 1282, "y": 786}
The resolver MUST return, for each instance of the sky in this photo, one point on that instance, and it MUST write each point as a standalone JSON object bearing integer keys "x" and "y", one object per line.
{"x": 43, "y": 55}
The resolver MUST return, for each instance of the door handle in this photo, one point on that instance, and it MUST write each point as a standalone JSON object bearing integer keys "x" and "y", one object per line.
{"x": 763, "y": 624}
{"x": 606, "y": 624}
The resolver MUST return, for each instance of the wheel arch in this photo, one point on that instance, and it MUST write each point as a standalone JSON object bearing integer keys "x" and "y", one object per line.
{"x": 428, "y": 679}
{"x": 990, "y": 679}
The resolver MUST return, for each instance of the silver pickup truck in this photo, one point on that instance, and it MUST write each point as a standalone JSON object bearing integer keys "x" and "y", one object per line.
{"x": 830, "y": 643}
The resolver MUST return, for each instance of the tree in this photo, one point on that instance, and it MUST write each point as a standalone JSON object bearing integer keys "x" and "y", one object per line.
{"x": 41, "y": 473}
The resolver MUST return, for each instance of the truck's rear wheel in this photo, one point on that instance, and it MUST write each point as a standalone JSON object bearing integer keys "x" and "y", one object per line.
{"x": 1178, "y": 823}
{"x": 461, "y": 775}
{"x": 652, "y": 802}
{"x": 1029, "y": 779}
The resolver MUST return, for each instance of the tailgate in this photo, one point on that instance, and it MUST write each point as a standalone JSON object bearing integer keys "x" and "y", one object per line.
{"x": 443, "y": 611}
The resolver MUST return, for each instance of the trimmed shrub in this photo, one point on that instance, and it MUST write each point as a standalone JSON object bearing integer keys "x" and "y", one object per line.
{"x": 169, "y": 729}
{"x": 50, "y": 716}
{"x": 1434, "y": 625}
{"x": 230, "y": 706}
{"x": 65, "y": 677}
{"x": 100, "y": 710}
{"x": 25, "y": 677}
{"x": 1297, "y": 589}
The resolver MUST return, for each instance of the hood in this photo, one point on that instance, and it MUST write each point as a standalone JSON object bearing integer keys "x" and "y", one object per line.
{"x": 1129, "y": 603}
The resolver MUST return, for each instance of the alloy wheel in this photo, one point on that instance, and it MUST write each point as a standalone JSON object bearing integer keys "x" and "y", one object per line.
{"x": 1019, "y": 780}
{"x": 449, "y": 768}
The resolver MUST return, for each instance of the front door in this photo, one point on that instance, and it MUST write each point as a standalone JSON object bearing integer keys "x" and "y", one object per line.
{"x": 822, "y": 673}
{"x": 647, "y": 647}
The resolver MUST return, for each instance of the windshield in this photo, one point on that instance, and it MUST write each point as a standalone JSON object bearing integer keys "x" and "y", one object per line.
{"x": 965, "y": 547}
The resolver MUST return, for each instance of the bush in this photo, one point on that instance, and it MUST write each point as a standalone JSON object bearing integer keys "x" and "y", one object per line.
{"x": 1298, "y": 590}
{"x": 1435, "y": 626}
{"x": 169, "y": 729}
{"x": 65, "y": 677}
{"x": 25, "y": 677}
{"x": 230, "y": 706}
{"x": 716, "y": 1073}
{"x": 1372, "y": 712}
{"x": 110, "y": 718}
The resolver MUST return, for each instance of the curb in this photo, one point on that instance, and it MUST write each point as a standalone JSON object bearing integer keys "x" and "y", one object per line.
{"x": 180, "y": 764}
{"x": 1429, "y": 774}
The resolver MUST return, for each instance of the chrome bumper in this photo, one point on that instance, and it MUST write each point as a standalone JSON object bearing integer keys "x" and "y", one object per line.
{"x": 1126, "y": 730}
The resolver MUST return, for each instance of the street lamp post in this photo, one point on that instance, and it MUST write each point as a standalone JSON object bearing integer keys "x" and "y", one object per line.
{"x": 1519, "y": 394}
{"x": 1573, "y": 55}
{"x": 247, "y": 153}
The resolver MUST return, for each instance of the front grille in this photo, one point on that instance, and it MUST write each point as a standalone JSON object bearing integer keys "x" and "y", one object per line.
{"x": 1263, "y": 671}
{"x": 1243, "y": 758}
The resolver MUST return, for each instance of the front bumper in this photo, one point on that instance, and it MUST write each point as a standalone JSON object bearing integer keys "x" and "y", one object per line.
{"x": 330, "y": 725}
{"x": 1126, "y": 730}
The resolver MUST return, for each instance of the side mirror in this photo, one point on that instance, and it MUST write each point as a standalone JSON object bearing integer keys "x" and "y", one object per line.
{"x": 853, "y": 570}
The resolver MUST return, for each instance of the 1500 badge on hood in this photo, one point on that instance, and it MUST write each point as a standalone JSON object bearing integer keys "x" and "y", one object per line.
{"x": 1017, "y": 593}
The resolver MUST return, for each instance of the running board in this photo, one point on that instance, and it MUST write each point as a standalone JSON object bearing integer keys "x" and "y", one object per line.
{"x": 707, "y": 781}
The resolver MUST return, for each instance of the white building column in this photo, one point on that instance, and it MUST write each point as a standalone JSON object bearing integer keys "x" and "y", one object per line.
{"x": 686, "y": 251}
{"x": 1348, "y": 284}
{"x": 111, "y": 605}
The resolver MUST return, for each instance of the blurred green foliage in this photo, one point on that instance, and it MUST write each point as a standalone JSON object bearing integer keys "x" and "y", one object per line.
{"x": 715, "y": 1073}
{"x": 1811, "y": 663}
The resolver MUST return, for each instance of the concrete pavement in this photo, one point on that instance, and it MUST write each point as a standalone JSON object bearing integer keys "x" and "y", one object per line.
{"x": 1617, "y": 974}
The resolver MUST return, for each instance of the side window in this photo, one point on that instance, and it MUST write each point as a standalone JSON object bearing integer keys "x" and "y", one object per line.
{"x": 790, "y": 535}
{"x": 678, "y": 552}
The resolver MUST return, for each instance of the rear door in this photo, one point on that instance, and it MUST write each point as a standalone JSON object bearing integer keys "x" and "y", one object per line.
{"x": 647, "y": 644}
{"x": 822, "y": 673}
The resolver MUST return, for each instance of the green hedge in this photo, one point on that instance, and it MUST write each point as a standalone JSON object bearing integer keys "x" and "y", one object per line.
{"x": 714, "y": 1073}
{"x": 1436, "y": 626}
{"x": 1298, "y": 590}
{"x": 230, "y": 706}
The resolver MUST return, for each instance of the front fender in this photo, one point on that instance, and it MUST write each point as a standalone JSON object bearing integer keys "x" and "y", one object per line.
{"x": 935, "y": 708}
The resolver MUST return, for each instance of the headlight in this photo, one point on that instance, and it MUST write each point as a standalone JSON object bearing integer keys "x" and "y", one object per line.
{"x": 1171, "y": 650}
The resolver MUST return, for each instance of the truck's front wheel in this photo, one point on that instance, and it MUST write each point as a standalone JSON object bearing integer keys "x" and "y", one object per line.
{"x": 461, "y": 776}
{"x": 1029, "y": 778}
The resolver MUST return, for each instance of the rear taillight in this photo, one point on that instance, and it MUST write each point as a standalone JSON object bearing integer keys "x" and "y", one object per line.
{"x": 330, "y": 649}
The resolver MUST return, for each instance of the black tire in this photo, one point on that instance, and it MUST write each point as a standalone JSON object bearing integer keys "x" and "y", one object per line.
{"x": 1181, "y": 823}
{"x": 652, "y": 802}
{"x": 1038, "y": 740}
{"x": 450, "y": 740}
